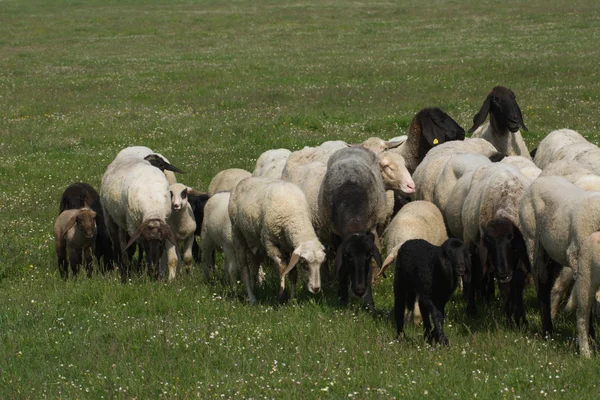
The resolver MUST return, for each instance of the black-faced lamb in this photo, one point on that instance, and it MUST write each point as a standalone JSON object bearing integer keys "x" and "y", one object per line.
{"x": 81, "y": 195}
{"x": 505, "y": 119}
{"x": 75, "y": 235}
{"x": 271, "y": 217}
{"x": 431, "y": 273}
{"x": 352, "y": 203}
{"x": 136, "y": 201}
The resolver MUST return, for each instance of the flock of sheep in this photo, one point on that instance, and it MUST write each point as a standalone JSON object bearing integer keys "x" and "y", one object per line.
{"x": 450, "y": 210}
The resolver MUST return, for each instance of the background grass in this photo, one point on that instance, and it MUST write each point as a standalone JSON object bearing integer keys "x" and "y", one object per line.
{"x": 211, "y": 85}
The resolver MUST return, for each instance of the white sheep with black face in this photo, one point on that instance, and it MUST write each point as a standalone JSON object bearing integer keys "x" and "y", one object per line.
{"x": 505, "y": 119}
{"x": 136, "y": 201}
{"x": 271, "y": 217}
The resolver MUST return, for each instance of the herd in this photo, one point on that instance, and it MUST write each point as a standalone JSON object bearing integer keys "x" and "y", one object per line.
{"x": 450, "y": 212}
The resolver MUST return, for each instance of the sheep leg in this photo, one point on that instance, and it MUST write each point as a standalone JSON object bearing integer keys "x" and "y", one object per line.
{"x": 475, "y": 281}
{"x": 399, "y": 304}
{"x": 275, "y": 254}
{"x": 196, "y": 251}
{"x": 518, "y": 287}
{"x": 506, "y": 292}
{"x": 172, "y": 259}
{"x": 425, "y": 310}
{"x": 293, "y": 282}
{"x": 122, "y": 243}
{"x": 437, "y": 315}
{"x": 343, "y": 288}
{"x": 207, "y": 256}
{"x": 369, "y": 303}
{"x": 243, "y": 257}
{"x": 61, "y": 255}
{"x": 87, "y": 254}
{"x": 230, "y": 265}
{"x": 187, "y": 254}
{"x": 544, "y": 281}
{"x": 586, "y": 284}
{"x": 564, "y": 284}
{"x": 75, "y": 260}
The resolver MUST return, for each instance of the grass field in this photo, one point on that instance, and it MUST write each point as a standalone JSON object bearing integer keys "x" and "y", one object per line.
{"x": 211, "y": 85}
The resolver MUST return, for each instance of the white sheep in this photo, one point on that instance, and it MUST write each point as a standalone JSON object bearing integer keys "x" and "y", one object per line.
{"x": 505, "y": 119}
{"x": 576, "y": 173}
{"x": 270, "y": 164}
{"x": 525, "y": 165}
{"x": 309, "y": 155}
{"x": 75, "y": 234}
{"x": 146, "y": 153}
{"x": 271, "y": 217}
{"x": 216, "y": 234}
{"x": 226, "y": 180}
{"x": 136, "y": 201}
{"x": 561, "y": 223}
{"x": 182, "y": 221}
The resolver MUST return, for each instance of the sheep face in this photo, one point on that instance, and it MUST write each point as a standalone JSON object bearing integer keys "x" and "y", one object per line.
{"x": 459, "y": 257}
{"x": 505, "y": 114}
{"x": 154, "y": 233}
{"x": 353, "y": 260}
{"x": 313, "y": 253}
{"x": 394, "y": 173}
{"x": 436, "y": 127}
{"x": 85, "y": 222}
{"x": 179, "y": 196}
{"x": 503, "y": 245}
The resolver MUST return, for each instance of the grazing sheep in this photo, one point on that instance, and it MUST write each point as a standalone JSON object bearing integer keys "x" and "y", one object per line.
{"x": 561, "y": 223}
{"x": 491, "y": 228}
{"x": 271, "y": 217}
{"x": 75, "y": 234}
{"x": 431, "y": 273}
{"x": 82, "y": 195}
{"x": 182, "y": 220}
{"x": 136, "y": 201}
{"x": 505, "y": 119}
{"x": 270, "y": 164}
{"x": 352, "y": 203}
{"x": 216, "y": 234}
{"x": 226, "y": 180}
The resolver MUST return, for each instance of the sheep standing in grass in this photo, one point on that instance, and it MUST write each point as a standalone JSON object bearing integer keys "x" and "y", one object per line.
{"x": 352, "y": 203}
{"x": 270, "y": 164}
{"x": 271, "y": 217}
{"x": 561, "y": 223}
{"x": 505, "y": 119}
{"x": 182, "y": 221}
{"x": 226, "y": 180}
{"x": 431, "y": 273}
{"x": 216, "y": 234}
{"x": 136, "y": 201}
{"x": 75, "y": 234}
{"x": 82, "y": 195}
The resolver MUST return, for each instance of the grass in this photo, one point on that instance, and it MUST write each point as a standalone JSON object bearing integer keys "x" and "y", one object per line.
{"x": 211, "y": 85}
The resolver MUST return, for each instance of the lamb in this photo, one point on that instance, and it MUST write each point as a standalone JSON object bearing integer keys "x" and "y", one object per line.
{"x": 226, "y": 180}
{"x": 270, "y": 164}
{"x": 81, "y": 195}
{"x": 75, "y": 233}
{"x": 561, "y": 223}
{"x": 182, "y": 220}
{"x": 216, "y": 233}
{"x": 352, "y": 202}
{"x": 271, "y": 217}
{"x": 136, "y": 201}
{"x": 431, "y": 273}
{"x": 491, "y": 227}
{"x": 505, "y": 119}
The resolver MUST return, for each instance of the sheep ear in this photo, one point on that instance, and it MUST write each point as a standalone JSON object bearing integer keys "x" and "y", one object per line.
{"x": 195, "y": 192}
{"x": 160, "y": 163}
{"x": 480, "y": 117}
{"x": 293, "y": 261}
{"x": 134, "y": 237}
{"x": 376, "y": 253}
{"x": 388, "y": 261}
{"x": 392, "y": 145}
{"x": 521, "y": 118}
{"x": 518, "y": 245}
{"x": 70, "y": 224}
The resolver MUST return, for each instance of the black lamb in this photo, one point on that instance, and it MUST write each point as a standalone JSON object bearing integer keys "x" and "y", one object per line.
{"x": 197, "y": 203}
{"x": 432, "y": 273}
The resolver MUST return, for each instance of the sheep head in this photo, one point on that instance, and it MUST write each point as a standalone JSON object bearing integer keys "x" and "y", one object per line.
{"x": 179, "y": 195}
{"x": 85, "y": 220}
{"x": 160, "y": 163}
{"x": 154, "y": 234}
{"x": 313, "y": 253}
{"x": 433, "y": 127}
{"x": 502, "y": 244}
{"x": 394, "y": 173}
{"x": 457, "y": 259}
{"x": 353, "y": 258}
{"x": 505, "y": 114}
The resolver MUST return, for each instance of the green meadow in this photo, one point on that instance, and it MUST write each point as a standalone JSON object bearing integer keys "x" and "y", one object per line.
{"x": 211, "y": 85}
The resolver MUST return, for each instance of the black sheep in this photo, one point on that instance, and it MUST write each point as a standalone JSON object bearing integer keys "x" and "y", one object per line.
{"x": 197, "y": 203}
{"x": 78, "y": 195}
{"x": 432, "y": 273}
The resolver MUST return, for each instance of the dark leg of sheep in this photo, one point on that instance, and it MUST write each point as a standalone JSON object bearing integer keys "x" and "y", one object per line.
{"x": 507, "y": 300}
{"x": 63, "y": 264}
{"x": 437, "y": 315}
{"x": 544, "y": 281}
{"x": 196, "y": 251}
{"x": 518, "y": 287}
{"x": 399, "y": 304}
{"x": 343, "y": 288}
{"x": 474, "y": 286}
{"x": 87, "y": 254}
{"x": 293, "y": 275}
{"x": 75, "y": 260}
{"x": 369, "y": 303}
{"x": 425, "y": 311}
{"x": 124, "y": 255}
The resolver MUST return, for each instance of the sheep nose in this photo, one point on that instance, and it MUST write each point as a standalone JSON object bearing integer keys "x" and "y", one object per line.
{"x": 315, "y": 289}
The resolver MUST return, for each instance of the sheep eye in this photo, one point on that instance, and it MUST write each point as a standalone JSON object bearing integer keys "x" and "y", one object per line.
{"x": 184, "y": 194}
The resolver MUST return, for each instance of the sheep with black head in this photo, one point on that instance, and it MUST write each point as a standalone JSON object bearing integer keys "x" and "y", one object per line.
{"x": 505, "y": 119}
{"x": 431, "y": 273}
